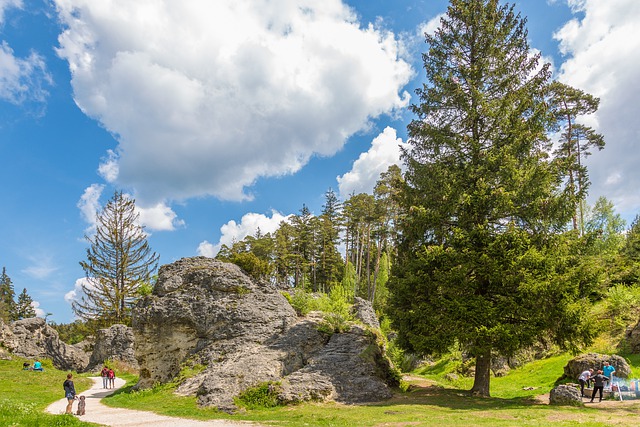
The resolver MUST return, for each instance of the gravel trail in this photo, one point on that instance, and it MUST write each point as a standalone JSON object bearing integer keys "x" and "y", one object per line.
{"x": 97, "y": 412}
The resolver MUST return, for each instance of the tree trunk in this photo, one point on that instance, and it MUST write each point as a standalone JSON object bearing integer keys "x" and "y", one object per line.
{"x": 483, "y": 374}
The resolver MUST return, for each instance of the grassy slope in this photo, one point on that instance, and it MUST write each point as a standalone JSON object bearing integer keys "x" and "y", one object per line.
{"x": 24, "y": 395}
{"x": 429, "y": 401}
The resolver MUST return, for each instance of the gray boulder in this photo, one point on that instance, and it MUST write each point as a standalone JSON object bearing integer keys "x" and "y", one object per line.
{"x": 595, "y": 361}
{"x": 114, "y": 343}
{"x": 565, "y": 395}
{"x": 239, "y": 334}
{"x": 364, "y": 312}
{"x": 34, "y": 339}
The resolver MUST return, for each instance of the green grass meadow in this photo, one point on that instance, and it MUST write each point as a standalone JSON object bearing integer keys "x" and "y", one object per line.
{"x": 24, "y": 395}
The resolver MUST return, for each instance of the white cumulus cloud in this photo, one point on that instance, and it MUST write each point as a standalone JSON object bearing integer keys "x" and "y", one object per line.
{"x": 159, "y": 217}
{"x": 89, "y": 205}
{"x": 76, "y": 292}
{"x": 601, "y": 48}
{"x": 36, "y": 306}
{"x": 234, "y": 232}
{"x": 366, "y": 170}
{"x": 205, "y": 97}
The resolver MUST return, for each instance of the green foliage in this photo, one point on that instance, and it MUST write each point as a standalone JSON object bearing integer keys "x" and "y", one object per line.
{"x": 7, "y": 294}
{"x": 75, "y": 332}
{"x": 264, "y": 395}
{"x": 252, "y": 265}
{"x": 301, "y": 301}
{"x": 337, "y": 311}
{"x": 24, "y": 308}
{"x": 402, "y": 360}
{"x": 482, "y": 258}
{"x": 622, "y": 306}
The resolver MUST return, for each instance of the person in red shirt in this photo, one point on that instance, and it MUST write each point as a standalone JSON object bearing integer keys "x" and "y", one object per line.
{"x": 105, "y": 377}
{"x": 112, "y": 379}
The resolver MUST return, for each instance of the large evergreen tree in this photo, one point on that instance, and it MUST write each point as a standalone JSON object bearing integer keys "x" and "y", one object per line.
{"x": 119, "y": 260}
{"x": 482, "y": 260}
{"x": 7, "y": 294}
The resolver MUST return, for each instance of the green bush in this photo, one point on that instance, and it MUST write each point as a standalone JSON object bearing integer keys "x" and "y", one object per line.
{"x": 621, "y": 305}
{"x": 264, "y": 395}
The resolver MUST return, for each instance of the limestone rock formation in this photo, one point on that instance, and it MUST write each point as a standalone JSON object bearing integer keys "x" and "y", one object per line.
{"x": 632, "y": 338}
{"x": 364, "y": 312}
{"x": 113, "y": 343}
{"x": 239, "y": 334}
{"x": 565, "y": 395}
{"x": 595, "y": 360}
{"x": 34, "y": 339}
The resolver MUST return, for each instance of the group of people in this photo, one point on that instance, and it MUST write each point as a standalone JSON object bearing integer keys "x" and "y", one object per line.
{"x": 602, "y": 378}
{"x": 37, "y": 366}
{"x": 108, "y": 381}
{"x": 108, "y": 377}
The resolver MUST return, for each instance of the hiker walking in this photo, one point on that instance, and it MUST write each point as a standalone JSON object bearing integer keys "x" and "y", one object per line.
{"x": 105, "y": 377}
{"x": 112, "y": 378}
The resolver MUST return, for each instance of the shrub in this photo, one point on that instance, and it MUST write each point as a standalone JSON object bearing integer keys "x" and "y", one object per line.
{"x": 263, "y": 395}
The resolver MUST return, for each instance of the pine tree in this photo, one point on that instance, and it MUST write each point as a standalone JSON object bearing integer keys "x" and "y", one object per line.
{"x": 119, "y": 260}
{"x": 7, "y": 295}
{"x": 482, "y": 262}
{"x": 569, "y": 104}
{"x": 24, "y": 308}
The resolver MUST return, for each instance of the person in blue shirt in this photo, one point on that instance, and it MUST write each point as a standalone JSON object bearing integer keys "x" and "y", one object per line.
{"x": 608, "y": 370}
{"x": 37, "y": 366}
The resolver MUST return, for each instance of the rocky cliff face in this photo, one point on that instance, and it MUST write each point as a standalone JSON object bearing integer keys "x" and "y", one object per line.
{"x": 211, "y": 316}
{"x": 34, "y": 339}
{"x": 114, "y": 343}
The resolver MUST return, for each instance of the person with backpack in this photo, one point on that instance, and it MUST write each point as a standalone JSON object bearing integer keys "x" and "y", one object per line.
{"x": 112, "y": 379}
{"x": 598, "y": 385}
{"x": 105, "y": 377}
{"x": 69, "y": 393}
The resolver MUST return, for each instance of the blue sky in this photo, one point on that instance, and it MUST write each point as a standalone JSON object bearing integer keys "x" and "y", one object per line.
{"x": 219, "y": 117}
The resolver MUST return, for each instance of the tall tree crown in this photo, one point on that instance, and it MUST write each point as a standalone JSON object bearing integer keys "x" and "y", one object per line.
{"x": 119, "y": 260}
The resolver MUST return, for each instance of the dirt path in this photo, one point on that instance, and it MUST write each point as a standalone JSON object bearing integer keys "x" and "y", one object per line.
{"x": 96, "y": 412}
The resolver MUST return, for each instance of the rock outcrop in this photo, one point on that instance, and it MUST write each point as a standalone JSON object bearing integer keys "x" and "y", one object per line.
{"x": 34, "y": 339}
{"x": 114, "y": 343}
{"x": 632, "y": 338}
{"x": 238, "y": 334}
{"x": 581, "y": 363}
{"x": 565, "y": 395}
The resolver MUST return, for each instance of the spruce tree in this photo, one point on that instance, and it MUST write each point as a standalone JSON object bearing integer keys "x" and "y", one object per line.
{"x": 24, "y": 308}
{"x": 483, "y": 262}
{"x": 7, "y": 295}
{"x": 119, "y": 260}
